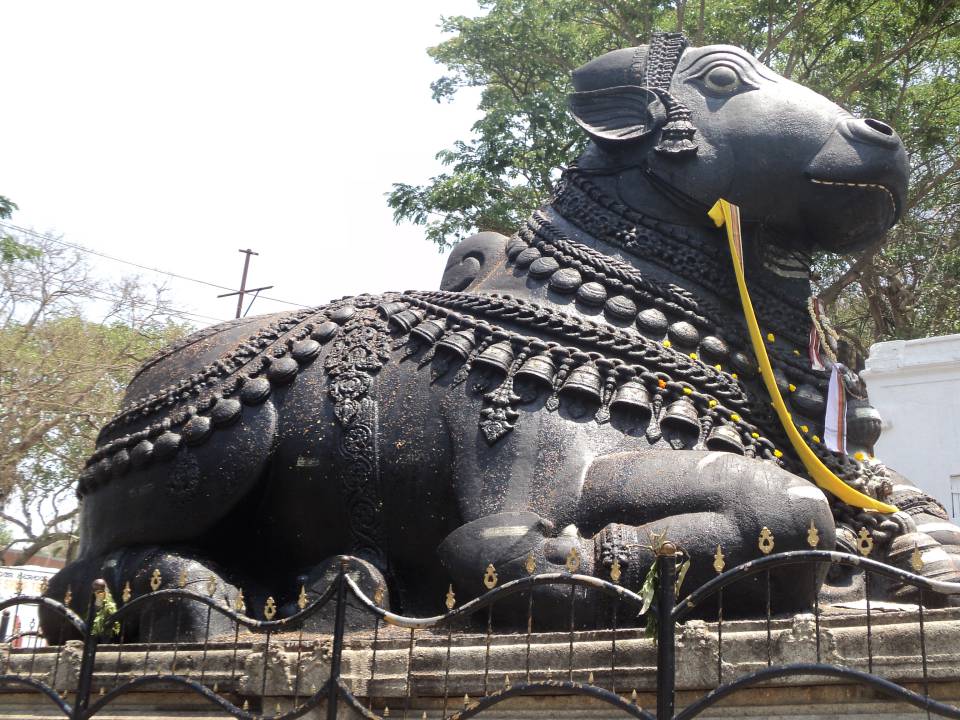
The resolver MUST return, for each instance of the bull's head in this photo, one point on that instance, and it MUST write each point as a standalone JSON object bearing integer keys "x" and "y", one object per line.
{"x": 713, "y": 122}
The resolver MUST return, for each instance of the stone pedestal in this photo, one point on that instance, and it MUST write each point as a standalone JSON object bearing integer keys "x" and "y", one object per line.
{"x": 427, "y": 671}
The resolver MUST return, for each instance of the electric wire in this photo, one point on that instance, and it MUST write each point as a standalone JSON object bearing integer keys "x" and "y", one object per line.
{"x": 81, "y": 248}
{"x": 166, "y": 311}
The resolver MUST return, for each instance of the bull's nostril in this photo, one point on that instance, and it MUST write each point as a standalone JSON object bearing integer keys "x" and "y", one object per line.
{"x": 880, "y": 127}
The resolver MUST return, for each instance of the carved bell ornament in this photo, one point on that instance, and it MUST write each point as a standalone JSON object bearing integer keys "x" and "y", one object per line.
{"x": 499, "y": 356}
{"x": 459, "y": 343}
{"x": 540, "y": 368}
{"x": 584, "y": 381}
{"x": 429, "y": 331}
{"x": 726, "y": 438}
{"x": 681, "y": 415}
{"x": 406, "y": 319}
{"x": 632, "y": 396}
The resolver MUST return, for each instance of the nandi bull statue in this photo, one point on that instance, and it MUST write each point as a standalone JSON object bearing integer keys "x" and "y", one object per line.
{"x": 571, "y": 391}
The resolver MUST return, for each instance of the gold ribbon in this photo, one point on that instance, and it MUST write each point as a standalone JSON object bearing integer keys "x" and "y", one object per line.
{"x": 725, "y": 214}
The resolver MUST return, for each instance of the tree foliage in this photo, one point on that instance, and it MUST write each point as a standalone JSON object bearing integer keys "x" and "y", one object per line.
{"x": 69, "y": 343}
{"x": 896, "y": 60}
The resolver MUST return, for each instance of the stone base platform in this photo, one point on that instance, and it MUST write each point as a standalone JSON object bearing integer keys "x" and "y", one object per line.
{"x": 411, "y": 673}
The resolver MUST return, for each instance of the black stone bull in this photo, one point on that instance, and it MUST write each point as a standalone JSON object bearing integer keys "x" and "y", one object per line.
{"x": 567, "y": 394}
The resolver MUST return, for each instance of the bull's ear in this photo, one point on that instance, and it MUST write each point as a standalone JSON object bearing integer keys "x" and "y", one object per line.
{"x": 617, "y": 114}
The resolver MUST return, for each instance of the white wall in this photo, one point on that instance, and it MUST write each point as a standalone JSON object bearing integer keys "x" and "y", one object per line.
{"x": 915, "y": 384}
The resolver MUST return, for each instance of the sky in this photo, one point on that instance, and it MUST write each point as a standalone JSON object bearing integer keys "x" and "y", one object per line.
{"x": 173, "y": 134}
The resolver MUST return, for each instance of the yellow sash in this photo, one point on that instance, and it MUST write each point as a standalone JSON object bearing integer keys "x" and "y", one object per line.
{"x": 725, "y": 214}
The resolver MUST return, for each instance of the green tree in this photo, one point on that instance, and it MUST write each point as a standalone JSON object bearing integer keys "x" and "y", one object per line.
{"x": 888, "y": 59}
{"x": 69, "y": 343}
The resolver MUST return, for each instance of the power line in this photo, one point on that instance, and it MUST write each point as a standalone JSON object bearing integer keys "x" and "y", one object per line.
{"x": 188, "y": 315}
{"x": 169, "y": 273}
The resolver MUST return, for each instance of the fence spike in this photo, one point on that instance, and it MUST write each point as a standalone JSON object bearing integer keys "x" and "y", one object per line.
{"x": 916, "y": 559}
{"x": 466, "y": 701}
{"x": 718, "y": 563}
{"x": 239, "y": 605}
{"x": 18, "y": 587}
{"x": 506, "y": 682}
{"x": 44, "y": 586}
{"x": 270, "y": 608}
{"x": 490, "y": 577}
{"x": 246, "y": 704}
{"x": 451, "y": 599}
{"x": 590, "y": 678}
{"x": 864, "y": 542}
{"x": 216, "y": 687}
{"x": 211, "y": 585}
{"x": 378, "y": 595}
{"x": 182, "y": 580}
{"x": 633, "y": 696}
{"x": 127, "y": 592}
{"x": 67, "y": 596}
{"x": 155, "y": 579}
{"x": 766, "y": 541}
{"x": 530, "y": 565}
{"x": 615, "y": 571}
{"x": 386, "y": 711}
{"x": 278, "y": 710}
{"x": 302, "y": 597}
{"x": 813, "y": 535}
{"x": 573, "y": 560}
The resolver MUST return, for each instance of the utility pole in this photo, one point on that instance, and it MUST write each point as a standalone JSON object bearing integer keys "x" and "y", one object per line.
{"x": 243, "y": 284}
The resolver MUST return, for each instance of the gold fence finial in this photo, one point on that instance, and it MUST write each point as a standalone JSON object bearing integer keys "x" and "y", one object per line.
{"x": 490, "y": 577}
{"x": 378, "y": 595}
{"x": 127, "y": 592}
{"x": 916, "y": 559}
{"x": 530, "y": 565}
{"x": 67, "y": 596}
{"x": 813, "y": 535}
{"x": 573, "y": 560}
{"x": 506, "y": 682}
{"x": 211, "y": 585}
{"x": 182, "y": 581}
{"x": 615, "y": 571}
{"x": 718, "y": 563}
{"x": 864, "y": 542}
{"x": 239, "y": 605}
{"x": 451, "y": 599}
{"x": 155, "y": 579}
{"x": 270, "y": 608}
{"x": 766, "y": 541}
{"x": 302, "y": 597}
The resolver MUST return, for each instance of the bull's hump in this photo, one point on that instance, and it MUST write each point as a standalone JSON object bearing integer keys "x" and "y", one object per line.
{"x": 201, "y": 397}
{"x": 190, "y": 354}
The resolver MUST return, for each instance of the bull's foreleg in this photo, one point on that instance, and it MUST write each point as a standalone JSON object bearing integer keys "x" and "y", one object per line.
{"x": 699, "y": 500}
{"x": 141, "y": 571}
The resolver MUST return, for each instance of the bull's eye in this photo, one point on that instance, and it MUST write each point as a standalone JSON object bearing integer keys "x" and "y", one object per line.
{"x": 722, "y": 79}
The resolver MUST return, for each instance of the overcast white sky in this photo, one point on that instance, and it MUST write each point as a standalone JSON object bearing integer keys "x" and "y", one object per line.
{"x": 174, "y": 133}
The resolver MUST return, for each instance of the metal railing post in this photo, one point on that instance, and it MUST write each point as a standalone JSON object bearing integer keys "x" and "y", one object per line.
{"x": 666, "y": 657}
{"x": 89, "y": 656}
{"x": 333, "y": 695}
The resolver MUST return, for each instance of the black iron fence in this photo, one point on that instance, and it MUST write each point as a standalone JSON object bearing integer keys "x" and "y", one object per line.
{"x": 236, "y": 670}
